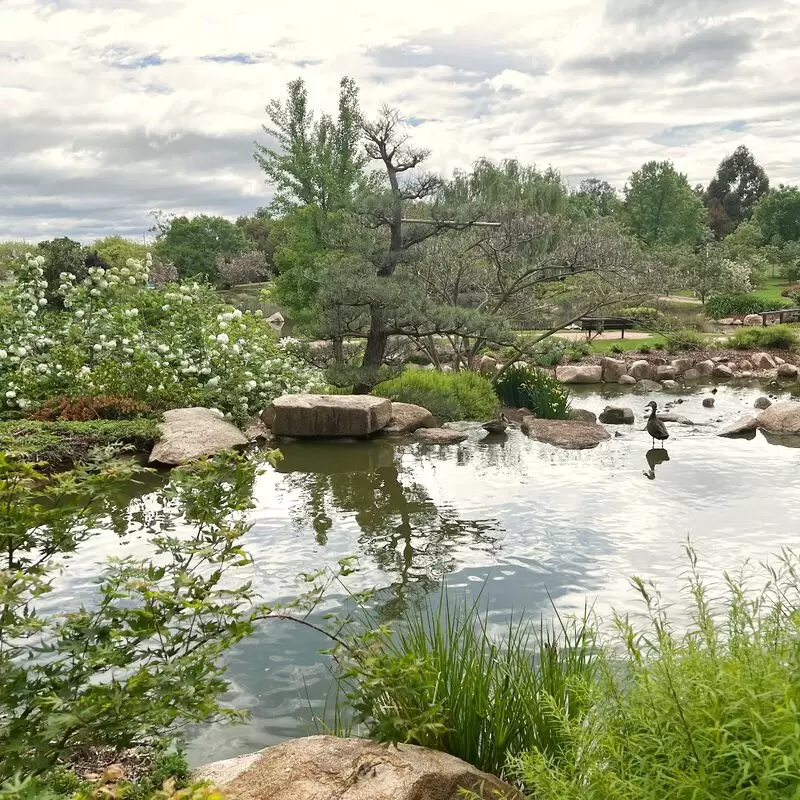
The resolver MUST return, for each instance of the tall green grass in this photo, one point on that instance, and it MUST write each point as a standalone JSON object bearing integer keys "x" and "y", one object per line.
{"x": 441, "y": 680}
{"x": 521, "y": 386}
{"x": 712, "y": 711}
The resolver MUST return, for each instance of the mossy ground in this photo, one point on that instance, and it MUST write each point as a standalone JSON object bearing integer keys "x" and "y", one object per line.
{"x": 63, "y": 443}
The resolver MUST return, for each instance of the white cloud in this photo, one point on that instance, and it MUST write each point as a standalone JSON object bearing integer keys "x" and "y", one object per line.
{"x": 110, "y": 109}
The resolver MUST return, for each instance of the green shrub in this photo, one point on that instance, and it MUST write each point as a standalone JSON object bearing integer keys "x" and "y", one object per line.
{"x": 521, "y": 386}
{"x": 777, "y": 337}
{"x": 686, "y": 340}
{"x": 449, "y": 396}
{"x": 443, "y": 681}
{"x": 657, "y": 346}
{"x": 617, "y": 349}
{"x": 577, "y": 351}
{"x": 551, "y": 351}
{"x": 645, "y": 348}
{"x": 708, "y": 712}
{"x": 742, "y": 304}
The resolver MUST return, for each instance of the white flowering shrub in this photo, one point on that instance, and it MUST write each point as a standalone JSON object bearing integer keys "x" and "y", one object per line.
{"x": 169, "y": 347}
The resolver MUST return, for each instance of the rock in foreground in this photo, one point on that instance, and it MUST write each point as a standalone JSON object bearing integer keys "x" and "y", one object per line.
{"x": 781, "y": 418}
{"x": 191, "y": 433}
{"x": 329, "y": 768}
{"x": 566, "y": 434}
{"x": 336, "y": 415}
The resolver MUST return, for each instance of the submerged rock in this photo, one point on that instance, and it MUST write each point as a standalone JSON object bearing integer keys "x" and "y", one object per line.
{"x": 330, "y": 768}
{"x": 582, "y": 415}
{"x": 745, "y": 424}
{"x": 617, "y": 415}
{"x": 567, "y": 434}
{"x": 441, "y": 436}
{"x": 762, "y": 402}
{"x": 191, "y": 433}
{"x": 304, "y": 415}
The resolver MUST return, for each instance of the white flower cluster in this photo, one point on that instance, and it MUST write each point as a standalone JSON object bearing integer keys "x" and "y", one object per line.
{"x": 170, "y": 347}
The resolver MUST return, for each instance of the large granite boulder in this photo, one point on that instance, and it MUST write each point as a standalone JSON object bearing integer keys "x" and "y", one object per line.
{"x": 567, "y": 434}
{"x": 787, "y": 371}
{"x": 763, "y": 361}
{"x": 407, "y": 418}
{"x": 613, "y": 369}
{"x": 579, "y": 373}
{"x": 722, "y": 371}
{"x": 781, "y": 418}
{"x": 666, "y": 373}
{"x": 330, "y": 768}
{"x": 187, "y": 434}
{"x": 704, "y": 368}
{"x": 336, "y": 415}
{"x": 641, "y": 370}
{"x": 681, "y": 365}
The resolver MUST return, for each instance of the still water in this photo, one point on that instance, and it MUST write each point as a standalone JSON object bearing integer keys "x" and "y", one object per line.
{"x": 513, "y": 517}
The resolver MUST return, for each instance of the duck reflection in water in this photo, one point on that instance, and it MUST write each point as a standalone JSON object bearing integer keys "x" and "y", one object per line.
{"x": 655, "y": 456}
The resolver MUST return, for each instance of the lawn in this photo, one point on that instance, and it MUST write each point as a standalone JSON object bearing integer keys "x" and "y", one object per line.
{"x": 609, "y": 346}
{"x": 771, "y": 289}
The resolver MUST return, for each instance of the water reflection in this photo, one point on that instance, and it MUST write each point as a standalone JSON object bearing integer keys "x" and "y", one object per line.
{"x": 655, "y": 456}
{"x": 401, "y": 527}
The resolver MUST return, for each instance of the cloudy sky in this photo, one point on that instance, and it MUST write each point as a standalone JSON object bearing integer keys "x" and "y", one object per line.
{"x": 112, "y": 108}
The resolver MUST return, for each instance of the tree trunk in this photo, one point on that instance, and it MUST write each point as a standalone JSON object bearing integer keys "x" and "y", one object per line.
{"x": 338, "y": 349}
{"x": 377, "y": 339}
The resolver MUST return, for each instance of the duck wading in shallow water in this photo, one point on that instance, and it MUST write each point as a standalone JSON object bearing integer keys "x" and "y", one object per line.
{"x": 498, "y": 425}
{"x": 655, "y": 427}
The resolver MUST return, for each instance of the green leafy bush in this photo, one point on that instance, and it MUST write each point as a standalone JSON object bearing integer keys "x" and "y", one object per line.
{"x": 706, "y": 712}
{"x": 521, "y": 386}
{"x": 118, "y": 666}
{"x": 777, "y": 337}
{"x": 551, "y": 351}
{"x": 645, "y": 348}
{"x": 115, "y": 336}
{"x": 449, "y": 396}
{"x": 686, "y": 340}
{"x": 742, "y": 304}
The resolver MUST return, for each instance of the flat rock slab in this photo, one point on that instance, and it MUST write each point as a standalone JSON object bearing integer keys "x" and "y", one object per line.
{"x": 191, "y": 433}
{"x": 440, "y": 436}
{"x": 781, "y": 418}
{"x": 566, "y": 434}
{"x": 309, "y": 415}
{"x": 330, "y": 768}
{"x": 407, "y": 418}
{"x": 739, "y": 427}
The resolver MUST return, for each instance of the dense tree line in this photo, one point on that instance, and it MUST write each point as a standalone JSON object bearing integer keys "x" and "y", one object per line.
{"x": 362, "y": 241}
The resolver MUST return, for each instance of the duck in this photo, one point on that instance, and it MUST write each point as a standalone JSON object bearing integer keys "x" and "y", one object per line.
{"x": 655, "y": 427}
{"x": 498, "y": 425}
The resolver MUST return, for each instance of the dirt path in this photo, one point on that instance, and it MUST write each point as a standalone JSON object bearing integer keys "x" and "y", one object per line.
{"x": 576, "y": 336}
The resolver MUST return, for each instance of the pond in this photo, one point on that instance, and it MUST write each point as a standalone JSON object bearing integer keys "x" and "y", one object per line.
{"x": 511, "y": 516}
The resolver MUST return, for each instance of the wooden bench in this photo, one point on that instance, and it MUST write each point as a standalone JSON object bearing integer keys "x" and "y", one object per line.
{"x": 779, "y": 311}
{"x": 606, "y": 323}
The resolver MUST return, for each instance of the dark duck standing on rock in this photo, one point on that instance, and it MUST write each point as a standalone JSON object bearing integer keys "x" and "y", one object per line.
{"x": 498, "y": 425}
{"x": 655, "y": 427}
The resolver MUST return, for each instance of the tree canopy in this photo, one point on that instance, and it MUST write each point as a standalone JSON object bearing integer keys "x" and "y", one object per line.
{"x": 660, "y": 207}
{"x": 312, "y": 162}
{"x": 734, "y": 191}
